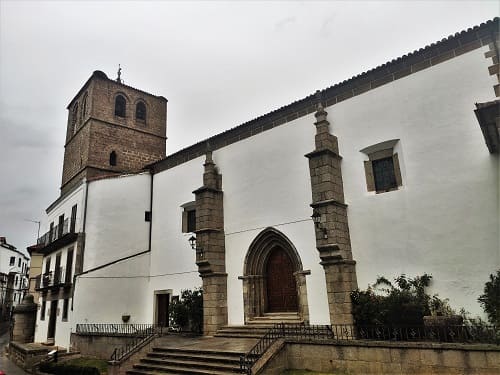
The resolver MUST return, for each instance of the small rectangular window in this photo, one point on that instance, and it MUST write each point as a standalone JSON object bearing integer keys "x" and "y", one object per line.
{"x": 191, "y": 221}
{"x": 147, "y": 216}
{"x": 19, "y": 262}
{"x": 189, "y": 217}
{"x": 383, "y": 173}
{"x": 12, "y": 261}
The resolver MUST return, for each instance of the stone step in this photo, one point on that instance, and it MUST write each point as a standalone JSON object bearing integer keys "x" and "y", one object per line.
{"x": 199, "y": 362}
{"x": 180, "y": 368}
{"x": 198, "y": 352}
{"x": 221, "y": 358}
{"x": 240, "y": 335}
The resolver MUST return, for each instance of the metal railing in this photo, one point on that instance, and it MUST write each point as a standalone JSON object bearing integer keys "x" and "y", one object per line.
{"x": 52, "y": 235}
{"x": 138, "y": 335}
{"x": 121, "y": 352}
{"x": 442, "y": 333}
{"x": 111, "y": 329}
{"x": 56, "y": 277}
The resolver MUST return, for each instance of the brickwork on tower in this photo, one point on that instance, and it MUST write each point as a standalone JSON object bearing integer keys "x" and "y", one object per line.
{"x": 96, "y": 129}
{"x": 211, "y": 249}
{"x": 332, "y": 231}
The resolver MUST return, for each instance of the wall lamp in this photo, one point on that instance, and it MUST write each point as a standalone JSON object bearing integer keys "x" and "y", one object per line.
{"x": 316, "y": 217}
{"x": 199, "y": 249}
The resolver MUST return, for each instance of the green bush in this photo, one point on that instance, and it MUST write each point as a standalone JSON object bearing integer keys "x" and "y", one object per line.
{"x": 187, "y": 313}
{"x": 490, "y": 300}
{"x": 404, "y": 302}
{"x": 66, "y": 369}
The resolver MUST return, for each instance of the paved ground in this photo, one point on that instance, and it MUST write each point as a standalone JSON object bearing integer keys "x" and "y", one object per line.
{"x": 208, "y": 343}
{"x": 5, "y": 364}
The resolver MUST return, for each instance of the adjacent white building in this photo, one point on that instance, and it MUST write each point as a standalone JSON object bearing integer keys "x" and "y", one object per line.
{"x": 14, "y": 268}
{"x": 399, "y": 165}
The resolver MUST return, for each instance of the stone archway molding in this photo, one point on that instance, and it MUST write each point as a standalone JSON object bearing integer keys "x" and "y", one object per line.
{"x": 254, "y": 270}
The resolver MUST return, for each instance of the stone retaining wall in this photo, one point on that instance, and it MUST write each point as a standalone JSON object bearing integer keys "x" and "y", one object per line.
{"x": 369, "y": 357}
{"x": 97, "y": 346}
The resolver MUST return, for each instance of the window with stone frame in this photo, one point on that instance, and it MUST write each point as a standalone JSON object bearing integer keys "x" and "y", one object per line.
{"x": 189, "y": 217}
{"x": 140, "y": 112}
{"x": 120, "y": 106}
{"x": 382, "y": 170}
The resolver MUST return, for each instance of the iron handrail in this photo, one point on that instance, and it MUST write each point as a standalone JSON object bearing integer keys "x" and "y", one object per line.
{"x": 118, "y": 329}
{"x": 138, "y": 341}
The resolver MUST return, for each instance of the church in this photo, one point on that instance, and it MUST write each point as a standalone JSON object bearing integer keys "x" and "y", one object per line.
{"x": 393, "y": 171}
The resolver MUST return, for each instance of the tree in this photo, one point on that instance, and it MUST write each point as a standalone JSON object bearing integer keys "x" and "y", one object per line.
{"x": 490, "y": 300}
{"x": 187, "y": 313}
{"x": 403, "y": 302}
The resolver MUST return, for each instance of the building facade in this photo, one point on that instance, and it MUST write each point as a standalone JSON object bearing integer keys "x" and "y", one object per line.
{"x": 393, "y": 171}
{"x": 14, "y": 269}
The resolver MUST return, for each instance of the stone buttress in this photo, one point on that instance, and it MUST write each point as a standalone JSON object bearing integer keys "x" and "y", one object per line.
{"x": 332, "y": 230}
{"x": 210, "y": 244}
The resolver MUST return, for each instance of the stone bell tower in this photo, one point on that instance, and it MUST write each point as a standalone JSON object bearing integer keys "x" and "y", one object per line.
{"x": 112, "y": 129}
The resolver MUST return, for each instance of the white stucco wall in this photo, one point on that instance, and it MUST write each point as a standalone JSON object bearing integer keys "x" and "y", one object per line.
{"x": 266, "y": 183}
{"x": 76, "y": 196}
{"x": 445, "y": 218}
{"x": 103, "y": 296}
{"x": 115, "y": 227}
{"x": 172, "y": 259}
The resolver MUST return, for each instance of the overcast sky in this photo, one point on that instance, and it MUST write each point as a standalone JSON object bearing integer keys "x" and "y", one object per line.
{"x": 218, "y": 63}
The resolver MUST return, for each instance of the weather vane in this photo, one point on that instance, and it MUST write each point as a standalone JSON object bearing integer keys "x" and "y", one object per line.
{"x": 119, "y": 74}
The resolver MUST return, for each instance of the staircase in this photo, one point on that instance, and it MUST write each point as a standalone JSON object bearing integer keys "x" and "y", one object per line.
{"x": 188, "y": 361}
{"x": 219, "y": 355}
{"x": 258, "y": 326}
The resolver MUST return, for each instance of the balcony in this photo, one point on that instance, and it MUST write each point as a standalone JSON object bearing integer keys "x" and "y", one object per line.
{"x": 59, "y": 236}
{"x": 53, "y": 279}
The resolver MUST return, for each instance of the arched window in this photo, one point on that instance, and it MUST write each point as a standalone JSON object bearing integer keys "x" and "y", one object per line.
{"x": 112, "y": 158}
{"x": 74, "y": 117}
{"x": 83, "y": 112}
{"x": 140, "y": 111}
{"x": 120, "y": 106}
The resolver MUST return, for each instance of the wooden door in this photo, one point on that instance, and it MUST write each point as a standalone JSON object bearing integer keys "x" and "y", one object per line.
{"x": 51, "y": 331}
{"x": 162, "y": 301}
{"x": 281, "y": 287}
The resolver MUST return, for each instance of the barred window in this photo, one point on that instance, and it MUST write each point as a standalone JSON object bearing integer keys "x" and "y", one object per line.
{"x": 383, "y": 173}
{"x": 382, "y": 169}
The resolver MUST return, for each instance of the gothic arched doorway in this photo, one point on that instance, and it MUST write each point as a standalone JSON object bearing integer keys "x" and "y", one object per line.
{"x": 273, "y": 277}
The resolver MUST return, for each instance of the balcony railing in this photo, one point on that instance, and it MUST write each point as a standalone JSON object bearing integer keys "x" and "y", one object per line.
{"x": 55, "y": 278}
{"x": 56, "y": 233}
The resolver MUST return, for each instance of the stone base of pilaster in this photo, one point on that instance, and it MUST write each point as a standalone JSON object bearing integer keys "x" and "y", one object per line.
{"x": 340, "y": 282}
{"x": 214, "y": 302}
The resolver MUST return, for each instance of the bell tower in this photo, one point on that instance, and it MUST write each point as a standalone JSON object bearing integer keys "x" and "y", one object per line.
{"x": 112, "y": 129}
